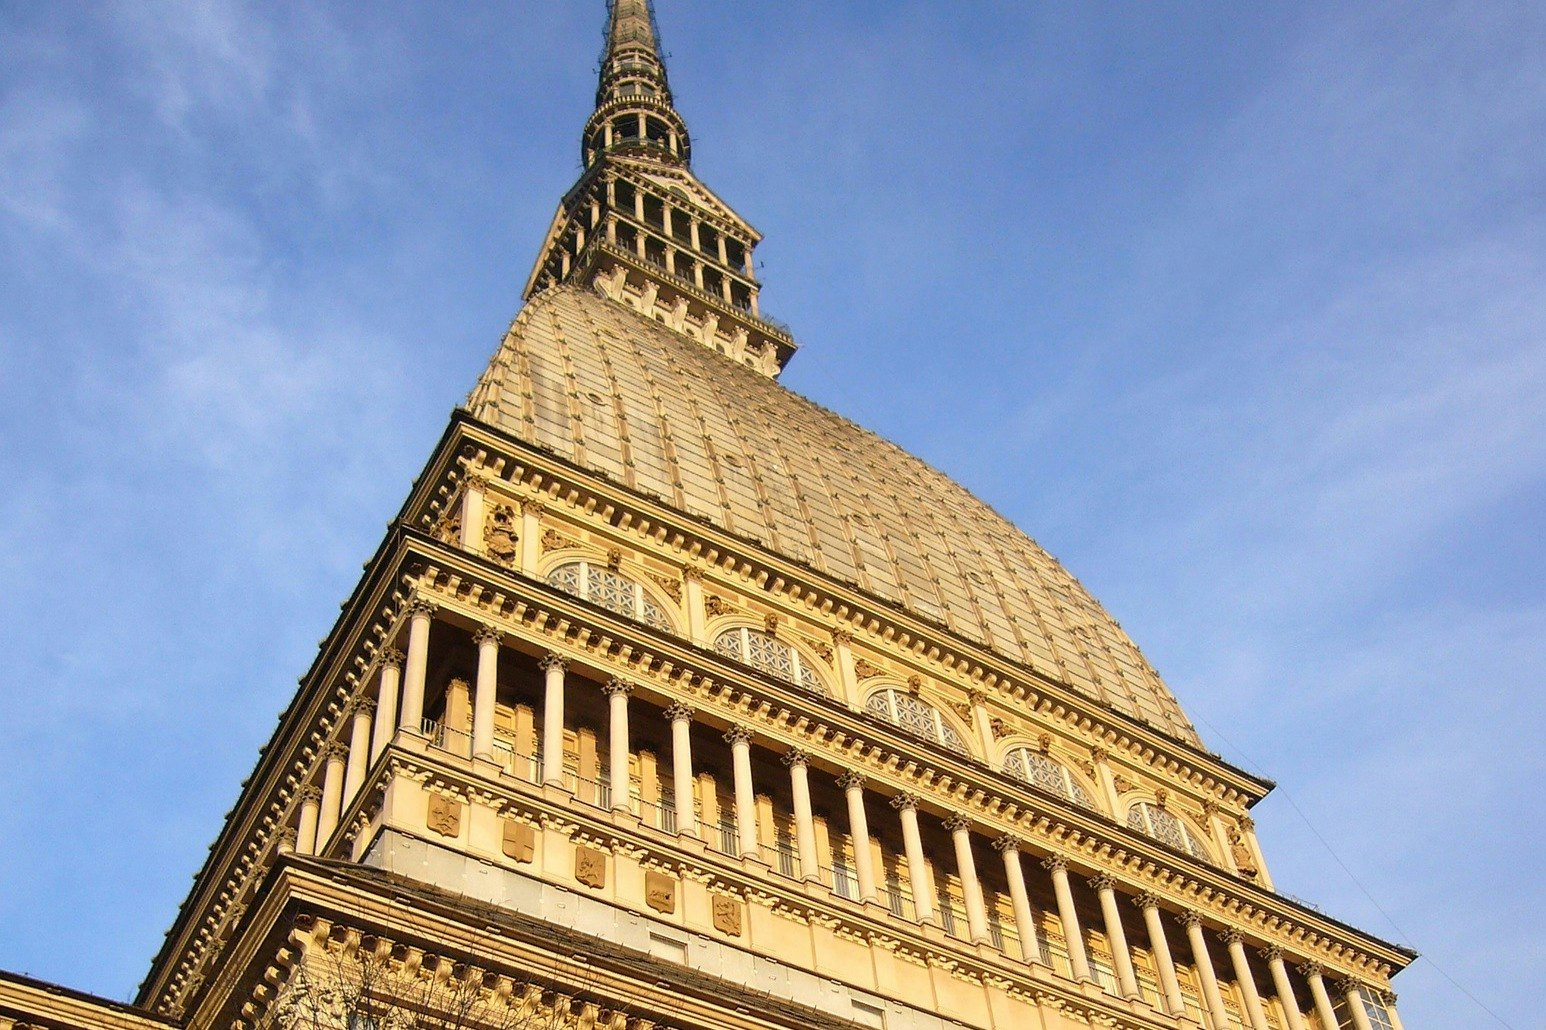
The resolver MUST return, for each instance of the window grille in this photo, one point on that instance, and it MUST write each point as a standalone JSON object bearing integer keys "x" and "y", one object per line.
{"x": 1050, "y": 775}
{"x": 770, "y": 655}
{"x": 916, "y": 716}
{"x": 1163, "y": 826}
{"x": 610, "y": 590}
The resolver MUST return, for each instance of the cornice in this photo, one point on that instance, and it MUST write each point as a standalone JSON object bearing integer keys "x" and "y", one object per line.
{"x": 725, "y": 692}
{"x": 522, "y": 465}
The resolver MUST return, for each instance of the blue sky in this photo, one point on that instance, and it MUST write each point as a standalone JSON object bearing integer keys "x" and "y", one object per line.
{"x": 1237, "y": 309}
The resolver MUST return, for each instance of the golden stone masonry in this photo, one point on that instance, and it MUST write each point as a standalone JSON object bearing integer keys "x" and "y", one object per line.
{"x": 905, "y": 771}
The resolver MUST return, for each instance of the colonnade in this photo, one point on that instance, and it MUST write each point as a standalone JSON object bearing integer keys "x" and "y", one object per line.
{"x": 369, "y": 727}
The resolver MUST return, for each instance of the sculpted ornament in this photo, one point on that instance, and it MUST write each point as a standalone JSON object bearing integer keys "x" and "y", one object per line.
{"x": 444, "y": 815}
{"x": 660, "y": 892}
{"x": 448, "y": 530}
{"x": 520, "y": 840}
{"x": 865, "y": 670}
{"x": 716, "y": 606}
{"x": 727, "y": 915}
{"x": 590, "y": 867}
{"x": 672, "y": 587}
{"x": 499, "y": 535}
{"x": 1245, "y": 862}
{"x": 552, "y": 541}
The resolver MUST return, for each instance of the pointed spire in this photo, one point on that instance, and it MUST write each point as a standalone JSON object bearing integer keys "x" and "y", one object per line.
{"x": 634, "y": 112}
{"x": 641, "y": 228}
{"x": 633, "y": 51}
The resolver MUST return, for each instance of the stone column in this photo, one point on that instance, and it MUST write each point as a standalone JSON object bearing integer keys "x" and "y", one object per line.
{"x": 1159, "y": 944}
{"x": 1253, "y": 1007}
{"x": 1351, "y": 991}
{"x": 804, "y": 820}
{"x": 960, "y": 829}
{"x": 306, "y": 826}
{"x": 681, "y": 768}
{"x": 740, "y": 740}
{"x": 362, "y": 709}
{"x": 1315, "y": 974}
{"x": 1285, "y": 989}
{"x": 553, "y": 667}
{"x": 843, "y": 660}
{"x": 692, "y": 593}
{"x": 982, "y": 724}
{"x": 1203, "y": 963}
{"x": 1068, "y": 915}
{"x": 1105, "y": 888}
{"x": 334, "y": 756}
{"x": 912, "y": 842}
{"x": 530, "y": 543}
{"x": 386, "y": 701}
{"x": 285, "y": 844}
{"x": 1020, "y": 899}
{"x": 859, "y": 830}
{"x": 1389, "y": 998}
{"x": 1101, "y": 759}
{"x": 420, "y": 613}
{"x": 483, "y": 698}
{"x": 474, "y": 489}
{"x": 617, "y": 692}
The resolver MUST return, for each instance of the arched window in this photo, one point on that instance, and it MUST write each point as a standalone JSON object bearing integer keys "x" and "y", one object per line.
{"x": 1038, "y": 770}
{"x": 771, "y": 655}
{"x": 610, "y": 590}
{"x": 916, "y": 716}
{"x": 1154, "y": 821}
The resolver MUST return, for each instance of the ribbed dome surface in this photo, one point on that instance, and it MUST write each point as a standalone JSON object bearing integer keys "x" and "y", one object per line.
{"x": 611, "y": 390}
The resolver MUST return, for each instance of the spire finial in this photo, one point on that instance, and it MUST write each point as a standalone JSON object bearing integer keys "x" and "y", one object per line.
{"x": 634, "y": 112}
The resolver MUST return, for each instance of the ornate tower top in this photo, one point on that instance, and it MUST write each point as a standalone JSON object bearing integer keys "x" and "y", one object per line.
{"x": 639, "y": 226}
{"x": 634, "y": 93}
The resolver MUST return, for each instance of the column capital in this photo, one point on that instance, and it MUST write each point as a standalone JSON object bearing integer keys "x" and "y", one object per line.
{"x": 678, "y": 712}
{"x": 334, "y": 750}
{"x": 692, "y": 574}
{"x": 738, "y": 735}
{"x": 795, "y": 756}
{"x": 476, "y": 481}
{"x": 551, "y": 660}
{"x": 1229, "y": 935}
{"x": 1272, "y": 953}
{"x": 851, "y": 780}
{"x": 1388, "y": 997}
{"x": 1348, "y": 985}
{"x": 488, "y": 635}
{"x": 842, "y": 636}
{"x": 1054, "y": 863}
{"x": 615, "y": 686}
{"x": 1310, "y": 969}
{"x": 1146, "y": 900}
{"x": 361, "y": 704}
{"x": 1187, "y": 918}
{"x": 1008, "y": 842}
{"x": 391, "y": 656}
{"x": 977, "y": 696}
{"x": 1102, "y": 882}
{"x": 957, "y": 822}
{"x": 905, "y": 802}
{"x": 1099, "y": 753}
{"x": 536, "y": 509}
{"x": 310, "y": 794}
{"x": 418, "y": 606}
{"x": 286, "y": 838}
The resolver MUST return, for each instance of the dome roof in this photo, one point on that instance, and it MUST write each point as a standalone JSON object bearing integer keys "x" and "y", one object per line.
{"x": 608, "y": 389}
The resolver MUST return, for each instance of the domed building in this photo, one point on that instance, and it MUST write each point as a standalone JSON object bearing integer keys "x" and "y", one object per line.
{"x": 673, "y": 700}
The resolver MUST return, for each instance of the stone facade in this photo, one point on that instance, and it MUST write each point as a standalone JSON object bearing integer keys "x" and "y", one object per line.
{"x": 675, "y": 701}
